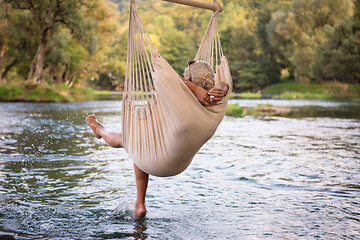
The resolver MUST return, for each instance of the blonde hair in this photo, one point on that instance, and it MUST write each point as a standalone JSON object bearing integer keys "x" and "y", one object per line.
{"x": 201, "y": 74}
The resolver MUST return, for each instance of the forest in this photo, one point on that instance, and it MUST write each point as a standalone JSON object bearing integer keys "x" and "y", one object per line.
{"x": 83, "y": 42}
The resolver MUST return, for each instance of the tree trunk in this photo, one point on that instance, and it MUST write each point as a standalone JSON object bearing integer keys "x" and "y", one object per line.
{"x": 2, "y": 53}
{"x": 9, "y": 67}
{"x": 37, "y": 64}
{"x": 46, "y": 73}
{"x": 3, "y": 44}
{"x": 70, "y": 79}
{"x": 66, "y": 75}
{"x": 60, "y": 74}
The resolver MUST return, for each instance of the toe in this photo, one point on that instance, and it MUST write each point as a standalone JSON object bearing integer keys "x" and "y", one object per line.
{"x": 90, "y": 118}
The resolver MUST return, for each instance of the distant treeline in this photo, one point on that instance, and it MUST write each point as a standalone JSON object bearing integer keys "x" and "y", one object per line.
{"x": 266, "y": 42}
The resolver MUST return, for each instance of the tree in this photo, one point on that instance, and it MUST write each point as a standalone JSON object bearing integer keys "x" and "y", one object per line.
{"x": 254, "y": 62}
{"x": 175, "y": 46}
{"x": 338, "y": 58}
{"x": 59, "y": 41}
{"x": 297, "y": 32}
{"x": 241, "y": 47}
{"x": 16, "y": 38}
{"x": 105, "y": 42}
{"x": 239, "y": 43}
{"x": 46, "y": 15}
{"x": 271, "y": 61}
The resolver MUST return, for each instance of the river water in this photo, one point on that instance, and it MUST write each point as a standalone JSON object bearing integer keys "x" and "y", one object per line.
{"x": 293, "y": 177}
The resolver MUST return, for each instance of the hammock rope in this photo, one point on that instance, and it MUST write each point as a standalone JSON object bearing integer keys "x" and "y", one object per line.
{"x": 160, "y": 115}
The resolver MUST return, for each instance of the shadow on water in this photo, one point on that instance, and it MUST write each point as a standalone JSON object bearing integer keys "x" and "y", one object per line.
{"x": 344, "y": 111}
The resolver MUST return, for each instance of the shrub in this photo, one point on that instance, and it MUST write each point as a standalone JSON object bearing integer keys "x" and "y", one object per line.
{"x": 295, "y": 95}
{"x": 47, "y": 94}
{"x": 82, "y": 93}
{"x": 249, "y": 95}
{"x": 234, "y": 110}
{"x": 8, "y": 93}
{"x": 265, "y": 105}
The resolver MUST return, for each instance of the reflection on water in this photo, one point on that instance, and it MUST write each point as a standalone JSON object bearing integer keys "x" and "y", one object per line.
{"x": 257, "y": 178}
{"x": 309, "y": 108}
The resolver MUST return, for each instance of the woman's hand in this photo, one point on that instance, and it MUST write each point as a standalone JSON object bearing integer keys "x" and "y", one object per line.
{"x": 201, "y": 95}
{"x": 218, "y": 92}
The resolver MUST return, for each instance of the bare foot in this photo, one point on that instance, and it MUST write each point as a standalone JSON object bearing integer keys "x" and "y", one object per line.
{"x": 94, "y": 125}
{"x": 139, "y": 212}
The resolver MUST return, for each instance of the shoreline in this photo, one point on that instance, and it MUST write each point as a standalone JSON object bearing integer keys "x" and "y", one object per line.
{"x": 283, "y": 91}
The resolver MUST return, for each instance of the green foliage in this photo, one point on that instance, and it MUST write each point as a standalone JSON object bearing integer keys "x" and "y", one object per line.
{"x": 17, "y": 38}
{"x": 174, "y": 45}
{"x": 297, "y": 32}
{"x": 76, "y": 54}
{"x": 309, "y": 40}
{"x": 103, "y": 92}
{"x": 325, "y": 90}
{"x": 265, "y": 105}
{"x": 338, "y": 58}
{"x": 240, "y": 47}
{"x": 254, "y": 63}
{"x": 296, "y": 95}
{"x": 8, "y": 93}
{"x": 252, "y": 75}
{"x": 47, "y": 94}
{"x": 252, "y": 112}
{"x": 76, "y": 37}
{"x": 271, "y": 60}
{"x": 234, "y": 110}
{"x": 250, "y": 95}
{"x": 82, "y": 93}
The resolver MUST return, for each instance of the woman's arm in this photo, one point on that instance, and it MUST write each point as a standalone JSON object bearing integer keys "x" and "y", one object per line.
{"x": 200, "y": 93}
{"x": 218, "y": 92}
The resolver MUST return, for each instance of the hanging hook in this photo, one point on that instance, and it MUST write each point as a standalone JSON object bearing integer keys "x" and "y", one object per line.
{"x": 218, "y": 9}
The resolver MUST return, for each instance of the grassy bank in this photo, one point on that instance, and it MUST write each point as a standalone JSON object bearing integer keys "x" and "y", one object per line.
{"x": 293, "y": 90}
{"x": 44, "y": 93}
{"x": 290, "y": 90}
{"x": 245, "y": 95}
{"x": 325, "y": 90}
{"x": 234, "y": 110}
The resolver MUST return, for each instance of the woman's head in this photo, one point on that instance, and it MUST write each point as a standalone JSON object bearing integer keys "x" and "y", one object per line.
{"x": 201, "y": 74}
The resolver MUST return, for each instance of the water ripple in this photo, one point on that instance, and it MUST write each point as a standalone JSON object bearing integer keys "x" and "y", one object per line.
{"x": 257, "y": 178}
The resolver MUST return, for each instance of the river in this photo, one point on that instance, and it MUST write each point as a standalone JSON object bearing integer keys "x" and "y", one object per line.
{"x": 293, "y": 177}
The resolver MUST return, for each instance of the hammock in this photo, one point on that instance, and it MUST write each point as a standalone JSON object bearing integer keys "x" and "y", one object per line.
{"x": 163, "y": 124}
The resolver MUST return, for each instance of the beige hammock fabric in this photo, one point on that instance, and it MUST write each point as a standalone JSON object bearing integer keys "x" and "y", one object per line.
{"x": 163, "y": 124}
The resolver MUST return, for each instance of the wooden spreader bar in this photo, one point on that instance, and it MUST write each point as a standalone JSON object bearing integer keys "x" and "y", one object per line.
{"x": 215, "y": 6}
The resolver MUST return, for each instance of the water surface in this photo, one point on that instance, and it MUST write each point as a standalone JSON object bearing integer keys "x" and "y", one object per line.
{"x": 295, "y": 177}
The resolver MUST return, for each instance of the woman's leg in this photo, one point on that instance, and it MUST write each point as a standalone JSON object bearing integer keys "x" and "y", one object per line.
{"x": 113, "y": 139}
{"x": 142, "y": 179}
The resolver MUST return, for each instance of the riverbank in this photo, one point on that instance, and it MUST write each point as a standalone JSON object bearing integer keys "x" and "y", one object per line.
{"x": 289, "y": 90}
{"x": 234, "y": 110}
{"x": 44, "y": 93}
{"x": 285, "y": 91}
{"x": 294, "y": 90}
{"x": 324, "y": 90}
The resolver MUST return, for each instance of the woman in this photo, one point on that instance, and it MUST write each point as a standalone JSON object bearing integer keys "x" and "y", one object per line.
{"x": 199, "y": 78}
